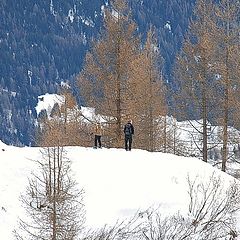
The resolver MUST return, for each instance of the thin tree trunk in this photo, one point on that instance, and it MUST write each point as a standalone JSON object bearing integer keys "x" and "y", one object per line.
{"x": 165, "y": 133}
{"x": 119, "y": 112}
{"x": 226, "y": 98}
{"x": 226, "y": 113}
{"x": 54, "y": 230}
{"x": 50, "y": 173}
{"x": 118, "y": 100}
{"x": 204, "y": 115}
{"x": 151, "y": 147}
{"x": 174, "y": 136}
{"x": 204, "y": 99}
{"x": 59, "y": 168}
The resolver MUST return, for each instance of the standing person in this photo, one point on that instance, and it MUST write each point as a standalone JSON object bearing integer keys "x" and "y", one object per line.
{"x": 98, "y": 131}
{"x": 128, "y": 131}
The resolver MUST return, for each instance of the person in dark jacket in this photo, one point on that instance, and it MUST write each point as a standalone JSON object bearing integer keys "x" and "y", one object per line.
{"x": 128, "y": 132}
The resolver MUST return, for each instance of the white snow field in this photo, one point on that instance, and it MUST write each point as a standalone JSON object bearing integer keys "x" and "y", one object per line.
{"x": 117, "y": 183}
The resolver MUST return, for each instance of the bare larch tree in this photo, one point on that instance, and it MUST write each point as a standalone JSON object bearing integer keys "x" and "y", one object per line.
{"x": 53, "y": 204}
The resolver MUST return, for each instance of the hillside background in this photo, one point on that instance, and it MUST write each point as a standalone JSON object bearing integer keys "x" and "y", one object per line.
{"x": 43, "y": 44}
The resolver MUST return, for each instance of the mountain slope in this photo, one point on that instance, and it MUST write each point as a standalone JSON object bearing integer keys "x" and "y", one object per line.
{"x": 44, "y": 43}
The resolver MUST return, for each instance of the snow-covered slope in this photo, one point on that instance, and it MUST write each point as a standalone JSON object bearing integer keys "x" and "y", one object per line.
{"x": 116, "y": 183}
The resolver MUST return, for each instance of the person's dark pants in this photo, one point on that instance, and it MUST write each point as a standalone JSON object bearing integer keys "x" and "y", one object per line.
{"x": 128, "y": 142}
{"x": 98, "y": 141}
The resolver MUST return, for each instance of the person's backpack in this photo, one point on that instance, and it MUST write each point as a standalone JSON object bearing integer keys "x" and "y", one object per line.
{"x": 128, "y": 129}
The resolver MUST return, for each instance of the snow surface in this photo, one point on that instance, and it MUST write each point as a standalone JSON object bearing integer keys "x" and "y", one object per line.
{"x": 47, "y": 101}
{"x": 117, "y": 183}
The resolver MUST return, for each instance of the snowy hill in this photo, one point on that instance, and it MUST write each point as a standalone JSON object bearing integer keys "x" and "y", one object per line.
{"x": 117, "y": 183}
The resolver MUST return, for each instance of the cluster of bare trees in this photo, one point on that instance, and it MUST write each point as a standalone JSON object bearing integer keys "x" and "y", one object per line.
{"x": 122, "y": 79}
{"x": 66, "y": 124}
{"x": 208, "y": 69}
